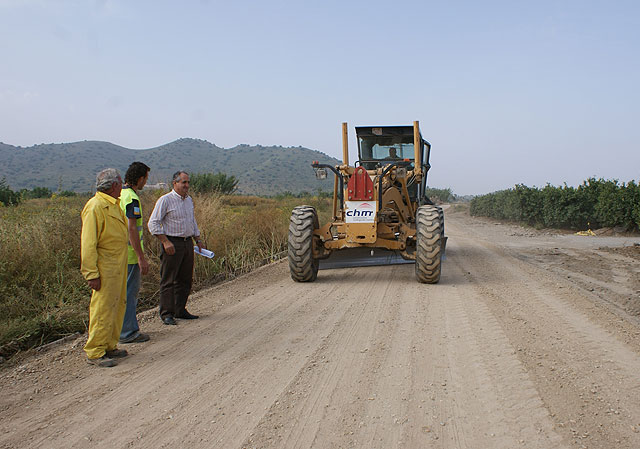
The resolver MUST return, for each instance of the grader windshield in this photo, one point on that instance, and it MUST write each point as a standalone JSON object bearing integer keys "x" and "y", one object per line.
{"x": 386, "y": 148}
{"x": 377, "y": 145}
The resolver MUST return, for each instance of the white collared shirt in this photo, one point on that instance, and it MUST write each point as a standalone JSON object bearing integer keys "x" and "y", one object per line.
{"x": 173, "y": 216}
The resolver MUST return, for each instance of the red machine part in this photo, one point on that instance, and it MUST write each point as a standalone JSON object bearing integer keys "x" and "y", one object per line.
{"x": 360, "y": 186}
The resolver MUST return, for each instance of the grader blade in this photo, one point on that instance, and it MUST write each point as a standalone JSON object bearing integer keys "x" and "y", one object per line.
{"x": 362, "y": 257}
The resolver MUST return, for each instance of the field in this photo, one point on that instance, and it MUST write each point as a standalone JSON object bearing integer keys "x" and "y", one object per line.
{"x": 43, "y": 295}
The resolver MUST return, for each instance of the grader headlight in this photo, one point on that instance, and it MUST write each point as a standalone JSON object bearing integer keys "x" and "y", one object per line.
{"x": 321, "y": 173}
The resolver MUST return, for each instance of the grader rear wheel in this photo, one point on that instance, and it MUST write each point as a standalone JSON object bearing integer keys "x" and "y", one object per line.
{"x": 429, "y": 224}
{"x": 302, "y": 265}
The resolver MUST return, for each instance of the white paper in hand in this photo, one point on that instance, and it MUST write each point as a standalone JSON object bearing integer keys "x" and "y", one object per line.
{"x": 203, "y": 252}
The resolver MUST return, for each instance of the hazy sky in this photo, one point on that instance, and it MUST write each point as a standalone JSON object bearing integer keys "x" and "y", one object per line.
{"x": 507, "y": 92}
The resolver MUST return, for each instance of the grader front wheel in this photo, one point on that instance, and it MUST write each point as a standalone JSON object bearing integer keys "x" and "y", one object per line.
{"x": 430, "y": 225}
{"x": 302, "y": 265}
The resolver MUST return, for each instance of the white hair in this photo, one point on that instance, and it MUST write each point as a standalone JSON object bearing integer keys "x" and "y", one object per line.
{"x": 106, "y": 179}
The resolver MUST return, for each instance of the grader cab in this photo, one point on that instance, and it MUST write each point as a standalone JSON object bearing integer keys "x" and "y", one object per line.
{"x": 379, "y": 205}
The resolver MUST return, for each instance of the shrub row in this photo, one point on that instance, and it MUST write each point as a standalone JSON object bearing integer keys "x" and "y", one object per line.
{"x": 595, "y": 203}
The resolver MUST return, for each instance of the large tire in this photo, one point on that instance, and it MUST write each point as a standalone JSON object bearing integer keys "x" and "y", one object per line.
{"x": 302, "y": 265}
{"x": 429, "y": 232}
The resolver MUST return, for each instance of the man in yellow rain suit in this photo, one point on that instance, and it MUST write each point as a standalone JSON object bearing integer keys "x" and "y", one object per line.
{"x": 104, "y": 266}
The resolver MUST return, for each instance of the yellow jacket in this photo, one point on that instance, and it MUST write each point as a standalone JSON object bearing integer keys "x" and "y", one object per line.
{"x": 104, "y": 238}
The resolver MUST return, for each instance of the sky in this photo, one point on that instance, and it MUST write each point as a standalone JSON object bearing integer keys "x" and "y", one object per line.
{"x": 506, "y": 92}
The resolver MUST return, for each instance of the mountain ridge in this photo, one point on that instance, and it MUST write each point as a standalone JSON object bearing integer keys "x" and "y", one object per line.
{"x": 263, "y": 170}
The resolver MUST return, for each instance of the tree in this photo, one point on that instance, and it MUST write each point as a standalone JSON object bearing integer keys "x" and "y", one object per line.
{"x": 7, "y": 196}
{"x": 444, "y": 195}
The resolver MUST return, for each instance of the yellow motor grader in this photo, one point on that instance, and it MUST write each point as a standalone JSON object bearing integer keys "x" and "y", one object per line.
{"x": 379, "y": 206}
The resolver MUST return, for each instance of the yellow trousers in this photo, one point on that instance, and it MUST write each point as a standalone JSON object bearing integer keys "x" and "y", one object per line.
{"x": 106, "y": 312}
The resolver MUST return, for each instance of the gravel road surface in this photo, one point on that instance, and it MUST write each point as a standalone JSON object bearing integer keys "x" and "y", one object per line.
{"x": 531, "y": 339}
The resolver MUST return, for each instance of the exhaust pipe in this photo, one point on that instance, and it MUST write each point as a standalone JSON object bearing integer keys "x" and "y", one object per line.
{"x": 345, "y": 144}
{"x": 416, "y": 147}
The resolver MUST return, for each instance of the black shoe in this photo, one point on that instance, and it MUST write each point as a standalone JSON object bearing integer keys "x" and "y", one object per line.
{"x": 103, "y": 362}
{"x": 114, "y": 353}
{"x": 169, "y": 320}
{"x": 138, "y": 338}
{"x": 187, "y": 316}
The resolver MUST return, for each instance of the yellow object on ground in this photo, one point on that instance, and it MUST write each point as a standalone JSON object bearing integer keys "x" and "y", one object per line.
{"x": 587, "y": 232}
{"x": 104, "y": 255}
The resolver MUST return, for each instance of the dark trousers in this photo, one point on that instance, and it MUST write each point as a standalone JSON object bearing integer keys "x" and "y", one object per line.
{"x": 176, "y": 274}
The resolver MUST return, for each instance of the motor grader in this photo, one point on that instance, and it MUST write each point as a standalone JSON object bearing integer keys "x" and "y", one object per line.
{"x": 379, "y": 205}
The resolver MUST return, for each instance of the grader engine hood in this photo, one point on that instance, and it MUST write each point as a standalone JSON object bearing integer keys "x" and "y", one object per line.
{"x": 360, "y": 186}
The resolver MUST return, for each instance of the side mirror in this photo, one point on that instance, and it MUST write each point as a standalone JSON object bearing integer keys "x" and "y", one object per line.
{"x": 321, "y": 173}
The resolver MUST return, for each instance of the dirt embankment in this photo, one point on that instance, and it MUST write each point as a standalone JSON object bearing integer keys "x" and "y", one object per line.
{"x": 531, "y": 339}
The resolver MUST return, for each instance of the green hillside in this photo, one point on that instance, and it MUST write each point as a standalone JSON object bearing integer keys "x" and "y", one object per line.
{"x": 73, "y": 166}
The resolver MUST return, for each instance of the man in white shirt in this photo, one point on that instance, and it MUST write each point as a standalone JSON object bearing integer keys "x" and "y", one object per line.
{"x": 174, "y": 223}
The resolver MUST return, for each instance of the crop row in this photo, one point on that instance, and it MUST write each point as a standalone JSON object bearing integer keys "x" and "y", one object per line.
{"x": 595, "y": 203}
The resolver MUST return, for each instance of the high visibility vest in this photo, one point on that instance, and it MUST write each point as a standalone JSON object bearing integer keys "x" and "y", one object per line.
{"x": 126, "y": 197}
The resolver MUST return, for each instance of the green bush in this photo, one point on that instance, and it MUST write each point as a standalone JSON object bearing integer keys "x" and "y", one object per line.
{"x": 616, "y": 203}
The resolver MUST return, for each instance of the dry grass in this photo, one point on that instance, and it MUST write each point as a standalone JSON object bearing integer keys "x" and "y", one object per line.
{"x": 42, "y": 293}
{"x": 44, "y": 296}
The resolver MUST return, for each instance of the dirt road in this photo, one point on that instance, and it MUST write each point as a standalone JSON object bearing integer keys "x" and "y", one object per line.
{"x": 531, "y": 340}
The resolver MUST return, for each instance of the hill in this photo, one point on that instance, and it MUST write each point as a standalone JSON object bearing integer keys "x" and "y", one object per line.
{"x": 73, "y": 166}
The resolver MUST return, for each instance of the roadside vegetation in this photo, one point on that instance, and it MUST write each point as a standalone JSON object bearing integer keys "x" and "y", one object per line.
{"x": 596, "y": 203}
{"x": 43, "y": 295}
{"x": 440, "y": 195}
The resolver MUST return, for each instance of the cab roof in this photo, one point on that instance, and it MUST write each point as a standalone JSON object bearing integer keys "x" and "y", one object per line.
{"x": 387, "y": 131}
